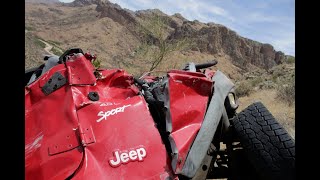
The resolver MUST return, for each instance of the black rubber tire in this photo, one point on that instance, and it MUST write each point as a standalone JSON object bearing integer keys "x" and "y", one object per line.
{"x": 268, "y": 146}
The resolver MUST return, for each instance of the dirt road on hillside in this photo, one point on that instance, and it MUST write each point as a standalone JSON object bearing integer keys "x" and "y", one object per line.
{"x": 47, "y": 48}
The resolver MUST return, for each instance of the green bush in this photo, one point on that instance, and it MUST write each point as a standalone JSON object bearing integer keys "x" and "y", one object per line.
{"x": 243, "y": 89}
{"x": 96, "y": 63}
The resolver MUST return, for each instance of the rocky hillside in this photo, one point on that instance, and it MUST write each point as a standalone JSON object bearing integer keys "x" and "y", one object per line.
{"x": 43, "y": 1}
{"x": 112, "y": 32}
{"x": 209, "y": 37}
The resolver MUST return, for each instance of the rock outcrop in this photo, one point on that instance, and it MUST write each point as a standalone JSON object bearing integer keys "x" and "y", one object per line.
{"x": 43, "y": 1}
{"x": 218, "y": 39}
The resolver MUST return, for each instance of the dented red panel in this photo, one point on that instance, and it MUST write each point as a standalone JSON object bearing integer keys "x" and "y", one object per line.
{"x": 52, "y": 149}
{"x": 69, "y": 134}
{"x": 128, "y": 145}
{"x": 77, "y": 67}
{"x": 114, "y": 85}
{"x": 34, "y": 89}
{"x": 188, "y": 98}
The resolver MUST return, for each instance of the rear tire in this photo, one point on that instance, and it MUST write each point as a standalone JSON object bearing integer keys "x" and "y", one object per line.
{"x": 267, "y": 145}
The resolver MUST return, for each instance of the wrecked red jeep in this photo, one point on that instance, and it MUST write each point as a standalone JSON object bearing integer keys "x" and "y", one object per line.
{"x": 88, "y": 123}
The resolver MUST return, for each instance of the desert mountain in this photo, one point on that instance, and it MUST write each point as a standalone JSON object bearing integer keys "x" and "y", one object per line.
{"x": 43, "y": 1}
{"x": 110, "y": 31}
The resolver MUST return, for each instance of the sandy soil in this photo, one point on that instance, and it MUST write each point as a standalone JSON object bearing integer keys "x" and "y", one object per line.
{"x": 284, "y": 113}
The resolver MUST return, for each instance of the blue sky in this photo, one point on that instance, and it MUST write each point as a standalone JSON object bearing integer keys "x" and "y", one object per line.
{"x": 266, "y": 21}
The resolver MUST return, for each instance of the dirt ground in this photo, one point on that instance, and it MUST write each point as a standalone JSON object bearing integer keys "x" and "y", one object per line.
{"x": 284, "y": 113}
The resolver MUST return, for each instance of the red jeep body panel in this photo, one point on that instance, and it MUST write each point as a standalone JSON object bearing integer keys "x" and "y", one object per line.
{"x": 71, "y": 133}
{"x": 67, "y": 134}
{"x": 49, "y": 128}
{"x": 130, "y": 129}
{"x": 188, "y": 94}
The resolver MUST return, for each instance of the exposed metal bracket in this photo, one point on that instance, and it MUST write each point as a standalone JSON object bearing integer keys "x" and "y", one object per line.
{"x": 55, "y": 82}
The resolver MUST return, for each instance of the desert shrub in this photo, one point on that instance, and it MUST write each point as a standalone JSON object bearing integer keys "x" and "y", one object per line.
{"x": 243, "y": 89}
{"x": 286, "y": 92}
{"x": 156, "y": 46}
{"x": 278, "y": 73}
{"x": 291, "y": 60}
{"x": 96, "y": 63}
{"x": 256, "y": 81}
